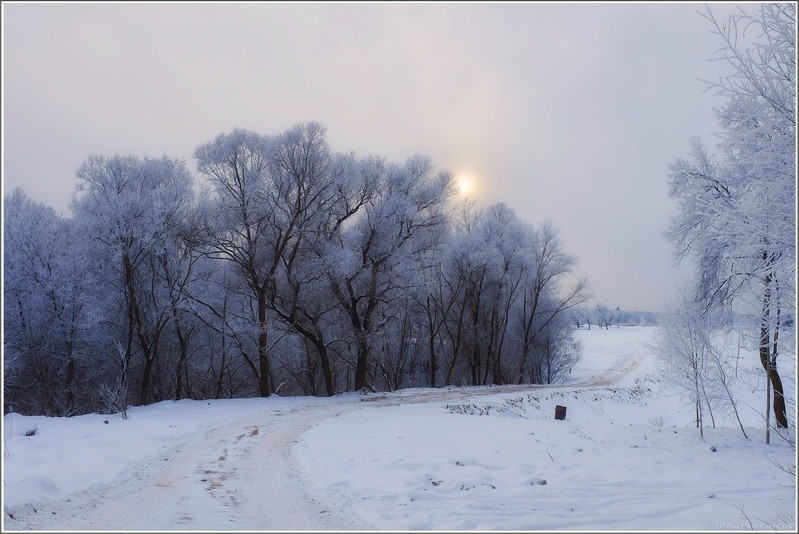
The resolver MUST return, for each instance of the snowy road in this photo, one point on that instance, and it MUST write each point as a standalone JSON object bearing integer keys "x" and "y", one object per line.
{"x": 242, "y": 475}
{"x": 235, "y": 477}
{"x": 238, "y": 476}
{"x": 627, "y": 457}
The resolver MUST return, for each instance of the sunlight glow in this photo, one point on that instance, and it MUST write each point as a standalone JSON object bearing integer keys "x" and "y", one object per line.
{"x": 466, "y": 185}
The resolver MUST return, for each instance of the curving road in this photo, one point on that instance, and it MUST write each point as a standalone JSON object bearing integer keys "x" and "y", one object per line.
{"x": 240, "y": 476}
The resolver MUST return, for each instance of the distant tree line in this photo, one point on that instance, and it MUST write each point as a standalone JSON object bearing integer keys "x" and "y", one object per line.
{"x": 602, "y": 316}
{"x": 291, "y": 269}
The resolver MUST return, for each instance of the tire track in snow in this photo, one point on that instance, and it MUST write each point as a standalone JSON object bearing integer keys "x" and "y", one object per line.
{"x": 238, "y": 476}
{"x": 626, "y": 366}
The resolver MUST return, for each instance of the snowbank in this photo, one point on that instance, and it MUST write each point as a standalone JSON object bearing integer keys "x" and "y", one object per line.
{"x": 627, "y": 456}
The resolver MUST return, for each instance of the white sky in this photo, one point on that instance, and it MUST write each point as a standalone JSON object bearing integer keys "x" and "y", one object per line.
{"x": 571, "y": 112}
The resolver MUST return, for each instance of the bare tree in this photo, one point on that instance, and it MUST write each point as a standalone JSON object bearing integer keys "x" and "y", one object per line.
{"x": 542, "y": 302}
{"x": 379, "y": 254}
{"x": 242, "y": 229}
{"x": 737, "y": 212}
{"x": 327, "y": 197}
{"x": 127, "y": 207}
{"x": 46, "y": 316}
{"x": 683, "y": 353}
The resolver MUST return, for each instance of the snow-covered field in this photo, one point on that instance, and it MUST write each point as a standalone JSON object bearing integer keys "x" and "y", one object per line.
{"x": 627, "y": 457}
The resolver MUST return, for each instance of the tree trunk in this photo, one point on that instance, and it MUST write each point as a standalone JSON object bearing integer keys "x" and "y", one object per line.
{"x": 221, "y": 379}
{"x": 131, "y": 301}
{"x": 263, "y": 359}
{"x": 780, "y": 414}
{"x": 432, "y": 341}
{"x": 768, "y": 361}
{"x": 321, "y": 349}
{"x": 476, "y": 360}
{"x": 150, "y": 353}
{"x": 181, "y": 374}
{"x": 360, "y": 365}
{"x": 549, "y": 363}
{"x": 698, "y": 395}
{"x": 181, "y": 378}
{"x": 144, "y": 396}
{"x": 475, "y": 365}
{"x": 527, "y": 320}
{"x": 768, "y": 410}
{"x": 456, "y": 340}
{"x": 70, "y": 380}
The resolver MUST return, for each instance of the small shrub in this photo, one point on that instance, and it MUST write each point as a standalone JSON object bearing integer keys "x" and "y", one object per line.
{"x": 658, "y": 421}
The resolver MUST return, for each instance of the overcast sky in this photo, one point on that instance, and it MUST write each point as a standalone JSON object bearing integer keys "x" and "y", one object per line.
{"x": 569, "y": 112}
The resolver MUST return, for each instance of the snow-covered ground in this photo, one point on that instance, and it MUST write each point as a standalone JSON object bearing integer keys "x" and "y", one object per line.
{"x": 627, "y": 457}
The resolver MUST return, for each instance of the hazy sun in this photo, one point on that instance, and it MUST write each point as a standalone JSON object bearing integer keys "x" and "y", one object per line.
{"x": 466, "y": 185}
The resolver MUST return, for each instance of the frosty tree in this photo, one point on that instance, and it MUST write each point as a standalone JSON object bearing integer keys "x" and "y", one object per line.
{"x": 278, "y": 204}
{"x": 45, "y": 318}
{"x": 378, "y": 256}
{"x": 543, "y": 303}
{"x": 736, "y": 209}
{"x": 240, "y": 228}
{"x": 298, "y": 267}
{"x": 690, "y": 361}
{"x": 500, "y": 296}
{"x": 129, "y": 209}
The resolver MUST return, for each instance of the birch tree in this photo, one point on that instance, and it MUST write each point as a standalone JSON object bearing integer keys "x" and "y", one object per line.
{"x": 683, "y": 355}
